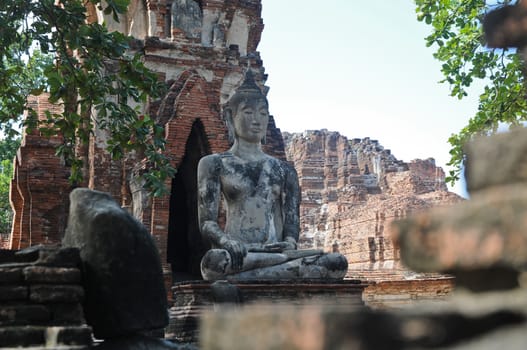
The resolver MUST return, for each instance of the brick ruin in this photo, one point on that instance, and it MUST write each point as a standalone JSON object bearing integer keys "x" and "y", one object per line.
{"x": 42, "y": 293}
{"x": 352, "y": 190}
{"x": 201, "y": 49}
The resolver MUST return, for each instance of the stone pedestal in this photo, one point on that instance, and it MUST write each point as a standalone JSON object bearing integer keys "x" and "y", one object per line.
{"x": 193, "y": 299}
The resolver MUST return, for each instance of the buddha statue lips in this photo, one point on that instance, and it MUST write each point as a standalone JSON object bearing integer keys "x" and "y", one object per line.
{"x": 261, "y": 197}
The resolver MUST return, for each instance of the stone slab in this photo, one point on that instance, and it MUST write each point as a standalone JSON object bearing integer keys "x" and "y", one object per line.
{"x": 141, "y": 342}
{"x": 78, "y": 335}
{"x": 55, "y": 275}
{"x": 487, "y": 231}
{"x": 11, "y": 275}
{"x": 37, "y": 337}
{"x": 56, "y": 293}
{"x": 192, "y": 299}
{"x": 22, "y": 336}
{"x": 23, "y": 314}
{"x": 13, "y": 293}
{"x": 67, "y": 314}
{"x": 49, "y": 256}
{"x": 467, "y": 321}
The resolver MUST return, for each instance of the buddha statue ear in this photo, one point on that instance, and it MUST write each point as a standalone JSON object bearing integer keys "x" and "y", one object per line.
{"x": 227, "y": 116}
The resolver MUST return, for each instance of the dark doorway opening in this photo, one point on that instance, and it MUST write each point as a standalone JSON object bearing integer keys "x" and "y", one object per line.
{"x": 185, "y": 248}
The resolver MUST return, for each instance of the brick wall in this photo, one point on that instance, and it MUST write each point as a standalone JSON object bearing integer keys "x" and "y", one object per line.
{"x": 40, "y": 187}
{"x": 352, "y": 190}
{"x": 403, "y": 293}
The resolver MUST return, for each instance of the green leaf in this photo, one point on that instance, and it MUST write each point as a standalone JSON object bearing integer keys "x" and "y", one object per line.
{"x": 95, "y": 91}
{"x": 457, "y": 36}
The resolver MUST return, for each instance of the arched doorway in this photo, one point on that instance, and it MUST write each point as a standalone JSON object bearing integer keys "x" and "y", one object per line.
{"x": 185, "y": 248}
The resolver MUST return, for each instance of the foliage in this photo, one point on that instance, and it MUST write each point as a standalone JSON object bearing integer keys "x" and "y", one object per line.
{"x": 92, "y": 74}
{"x": 8, "y": 149}
{"x": 458, "y": 38}
{"x": 6, "y": 214}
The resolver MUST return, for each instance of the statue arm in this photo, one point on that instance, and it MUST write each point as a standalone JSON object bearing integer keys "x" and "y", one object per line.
{"x": 209, "y": 195}
{"x": 209, "y": 199}
{"x": 291, "y": 205}
{"x": 290, "y": 198}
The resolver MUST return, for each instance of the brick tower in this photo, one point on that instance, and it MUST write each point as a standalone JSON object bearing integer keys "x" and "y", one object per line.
{"x": 201, "y": 49}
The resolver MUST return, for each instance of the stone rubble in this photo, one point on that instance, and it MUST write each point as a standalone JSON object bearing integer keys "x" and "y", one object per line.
{"x": 41, "y": 297}
{"x": 125, "y": 292}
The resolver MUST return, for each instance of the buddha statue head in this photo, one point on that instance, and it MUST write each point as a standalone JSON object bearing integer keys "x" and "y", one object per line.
{"x": 246, "y": 114}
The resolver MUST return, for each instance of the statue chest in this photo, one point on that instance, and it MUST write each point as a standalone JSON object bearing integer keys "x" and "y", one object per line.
{"x": 259, "y": 181}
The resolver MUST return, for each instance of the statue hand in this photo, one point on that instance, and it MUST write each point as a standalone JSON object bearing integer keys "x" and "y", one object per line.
{"x": 285, "y": 245}
{"x": 237, "y": 251}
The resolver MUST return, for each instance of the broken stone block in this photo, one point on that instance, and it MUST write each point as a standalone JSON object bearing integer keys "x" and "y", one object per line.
{"x": 315, "y": 327}
{"x": 80, "y": 335}
{"x": 482, "y": 241}
{"x": 67, "y": 314}
{"x": 23, "y": 314}
{"x": 483, "y": 232}
{"x": 141, "y": 342}
{"x": 16, "y": 337}
{"x": 496, "y": 160}
{"x": 11, "y": 275}
{"x": 49, "y": 256}
{"x": 11, "y": 293}
{"x": 54, "y": 293}
{"x": 122, "y": 273}
{"x": 43, "y": 274}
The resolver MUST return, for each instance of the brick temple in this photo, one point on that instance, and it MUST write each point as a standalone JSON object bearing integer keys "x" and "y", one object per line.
{"x": 351, "y": 189}
{"x": 201, "y": 49}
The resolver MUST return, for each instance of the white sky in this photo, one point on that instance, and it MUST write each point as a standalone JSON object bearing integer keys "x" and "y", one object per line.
{"x": 360, "y": 68}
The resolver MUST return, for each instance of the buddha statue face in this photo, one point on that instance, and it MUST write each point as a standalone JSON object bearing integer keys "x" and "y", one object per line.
{"x": 247, "y": 112}
{"x": 250, "y": 120}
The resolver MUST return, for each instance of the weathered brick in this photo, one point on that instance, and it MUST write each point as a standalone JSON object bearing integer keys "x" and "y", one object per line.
{"x": 11, "y": 275}
{"x": 55, "y": 275}
{"x": 10, "y": 293}
{"x": 16, "y": 337}
{"x": 67, "y": 314}
{"x": 50, "y": 256}
{"x": 74, "y": 335}
{"x": 505, "y": 152}
{"x": 23, "y": 314}
{"x": 485, "y": 232}
{"x": 56, "y": 293}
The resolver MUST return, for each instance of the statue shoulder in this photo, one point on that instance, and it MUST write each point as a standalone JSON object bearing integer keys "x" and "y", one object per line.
{"x": 211, "y": 163}
{"x": 288, "y": 167}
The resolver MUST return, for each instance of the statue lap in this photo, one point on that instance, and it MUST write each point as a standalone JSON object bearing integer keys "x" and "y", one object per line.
{"x": 216, "y": 265}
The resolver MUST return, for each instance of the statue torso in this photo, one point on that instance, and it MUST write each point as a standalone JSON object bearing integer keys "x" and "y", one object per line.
{"x": 252, "y": 192}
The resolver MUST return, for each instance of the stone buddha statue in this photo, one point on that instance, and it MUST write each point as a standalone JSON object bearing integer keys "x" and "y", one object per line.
{"x": 261, "y": 197}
